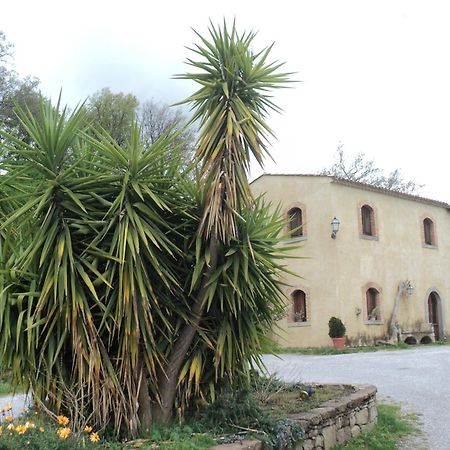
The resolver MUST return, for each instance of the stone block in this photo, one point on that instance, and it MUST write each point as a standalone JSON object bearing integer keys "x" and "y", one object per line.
{"x": 362, "y": 416}
{"x": 352, "y": 420}
{"x": 308, "y": 444}
{"x": 356, "y": 431}
{"x": 343, "y": 435}
{"x": 329, "y": 436}
{"x": 319, "y": 441}
{"x": 367, "y": 427}
{"x": 241, "y": 445}
{"x": 373, "y": 413}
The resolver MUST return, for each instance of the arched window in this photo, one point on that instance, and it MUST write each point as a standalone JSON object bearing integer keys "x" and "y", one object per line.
{"x": 428, "y": 232}
{"x": 367, "y": 221}
{"x": 299, "y": 313}
{"x": 373, "y": 304}
{"x": 295, "y": 218}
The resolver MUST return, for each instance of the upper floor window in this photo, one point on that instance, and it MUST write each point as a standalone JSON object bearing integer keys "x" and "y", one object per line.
{"x": 295, "y": 223}
{"x": 373, "y": 304}
{"x": 367, "y": 221}
{"x": 299, "y": 313}
{"x": 429, "y": 236}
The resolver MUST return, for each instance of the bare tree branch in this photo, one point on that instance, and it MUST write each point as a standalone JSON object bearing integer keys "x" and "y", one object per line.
{"x": 363, "y": 170}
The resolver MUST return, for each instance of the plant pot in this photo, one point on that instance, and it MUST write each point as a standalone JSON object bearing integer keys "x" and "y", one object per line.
{"x": 339, "y": 343}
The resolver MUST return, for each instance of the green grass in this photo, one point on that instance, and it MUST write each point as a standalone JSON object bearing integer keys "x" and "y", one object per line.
{"x": 5, "y": 388}
{"x": 177, "y": 437}
{"x": 332, "y": 351}
{"x": 5, "y": 384}
{"x": 391, "y": 426}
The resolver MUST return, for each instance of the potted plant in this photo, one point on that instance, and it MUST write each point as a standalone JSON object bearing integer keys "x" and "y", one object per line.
{"x": 337, "y": 332}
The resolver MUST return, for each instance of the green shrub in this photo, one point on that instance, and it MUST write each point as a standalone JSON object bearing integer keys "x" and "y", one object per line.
{"x": 336, "y": 328}
{"x": 236, "y": 412}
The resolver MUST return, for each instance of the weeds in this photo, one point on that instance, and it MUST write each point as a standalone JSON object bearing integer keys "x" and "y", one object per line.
{"x": 391, "y": 426}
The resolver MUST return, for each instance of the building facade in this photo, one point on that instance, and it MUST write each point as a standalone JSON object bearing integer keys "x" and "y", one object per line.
{"x": 388, "y": 245}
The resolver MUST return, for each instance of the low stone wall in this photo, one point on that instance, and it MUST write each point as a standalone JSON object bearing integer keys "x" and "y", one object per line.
{"x": 337, "y": 421}
{"x": 334, "y": 422}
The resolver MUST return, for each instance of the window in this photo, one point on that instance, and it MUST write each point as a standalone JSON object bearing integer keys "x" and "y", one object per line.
{"x": 295, "y": 218}
{"x": 428, "y": 232}
{"x": 367, "y": 221}
{"x": 373, "y": 304}
{"x": 299, "y": 306}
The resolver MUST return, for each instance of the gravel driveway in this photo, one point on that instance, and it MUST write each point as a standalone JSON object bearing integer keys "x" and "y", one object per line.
{"x": 418, "y": 378}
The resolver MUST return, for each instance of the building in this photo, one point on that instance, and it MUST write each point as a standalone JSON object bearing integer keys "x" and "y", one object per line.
{"x": 388, "y": 245}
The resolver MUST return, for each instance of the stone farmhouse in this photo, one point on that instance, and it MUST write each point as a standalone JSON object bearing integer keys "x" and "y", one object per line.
{"x": 384, "y": 267}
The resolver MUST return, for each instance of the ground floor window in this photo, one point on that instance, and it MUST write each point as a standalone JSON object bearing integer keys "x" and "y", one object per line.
{"x": 373, "y": 304}
{"x": 299, "y": 313}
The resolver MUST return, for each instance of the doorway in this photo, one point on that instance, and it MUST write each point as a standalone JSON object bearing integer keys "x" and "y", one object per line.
{"x": 434, "y": 314}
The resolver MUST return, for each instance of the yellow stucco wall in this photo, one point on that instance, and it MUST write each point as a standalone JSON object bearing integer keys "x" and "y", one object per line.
{"x": 335, "y": 274}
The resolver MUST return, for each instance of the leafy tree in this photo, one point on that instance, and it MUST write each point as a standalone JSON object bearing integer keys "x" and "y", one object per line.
{"x": 157, "y": 118}
{"x": 15, "y": 91}
{"x": 114, "y": 113}
{"x": 362, "y": 170}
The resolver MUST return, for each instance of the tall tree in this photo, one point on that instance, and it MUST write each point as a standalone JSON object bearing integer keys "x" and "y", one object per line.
{"x": 364, "y": 170}
{"x": 114, "y": 113}
{"x": 15, "y": 91}
{"x": 156, "y": 119}
{"x": 230, "y": 108}
{"x": 117, "y": 299}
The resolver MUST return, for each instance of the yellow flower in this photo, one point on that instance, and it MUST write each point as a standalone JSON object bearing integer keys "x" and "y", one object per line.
{"x": 62, "y": 420}
{"x": 8, "y": 406}
{"x": 87, "y": 429}
{"x": 64, "y": 433}
{"x": 1, "y": 431}
{"x": 41, "y": 429}
{"x": 10, "y": 427}
{"x": 94, "y": 437}
{"x": 30, "y": 425}
{"x": 9, "y": 419}
{"x": 21, "y": 429}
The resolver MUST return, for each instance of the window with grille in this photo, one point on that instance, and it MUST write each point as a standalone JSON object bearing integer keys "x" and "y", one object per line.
{"x": 295, "y": 222}
{"x": 367, "y": 219}
{"x": 373, "y": 304}
{"x": 428, "y": 232}
{"x": 299, "y": 306}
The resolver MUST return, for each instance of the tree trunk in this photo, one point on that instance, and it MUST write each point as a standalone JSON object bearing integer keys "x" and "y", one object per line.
{"x": 393, "y": 326}
{"x": 168, "y": 379}
{"x": 144, "y": 402}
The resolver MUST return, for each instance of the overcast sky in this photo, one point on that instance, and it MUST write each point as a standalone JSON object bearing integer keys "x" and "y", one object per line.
{"x": 375, "y": 75}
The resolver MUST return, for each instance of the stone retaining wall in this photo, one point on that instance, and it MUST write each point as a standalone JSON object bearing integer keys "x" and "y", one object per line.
{"x": 334, "y": 422}
{"x": 337, "y": 421}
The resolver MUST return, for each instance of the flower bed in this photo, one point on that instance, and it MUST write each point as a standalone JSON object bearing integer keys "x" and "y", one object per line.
{"x": 334, "y": 422}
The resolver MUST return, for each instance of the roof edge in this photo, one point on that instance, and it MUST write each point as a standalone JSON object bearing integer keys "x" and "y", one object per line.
{"x": 364, "y": 186}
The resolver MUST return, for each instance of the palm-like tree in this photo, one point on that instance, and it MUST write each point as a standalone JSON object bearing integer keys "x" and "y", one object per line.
{"x": 230, "y": 107}
{"x": 124, "y": 282}
{"x": 95, "y": 281}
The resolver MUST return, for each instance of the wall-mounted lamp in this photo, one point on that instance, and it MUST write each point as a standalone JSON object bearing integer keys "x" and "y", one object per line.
{"x": 334, "y": 227}
{"x": 406, "y": 286}
{"x": 409, "y": 287}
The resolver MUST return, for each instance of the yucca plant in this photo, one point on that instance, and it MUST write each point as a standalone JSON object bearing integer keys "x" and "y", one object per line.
{"x": 98, "y": 275}
{"x": 127, "y": 285}
{"x": 230, "y": 107}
